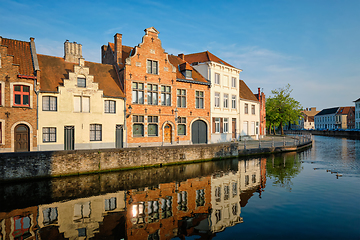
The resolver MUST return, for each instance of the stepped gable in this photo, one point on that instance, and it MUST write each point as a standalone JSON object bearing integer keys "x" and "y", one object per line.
{"x": 196, "y": 76}
{"x": 205, "y": 57}
{"x": 22, "y": 55}
{"x": 55, "y": 69}
{"x": 245, "y": 92}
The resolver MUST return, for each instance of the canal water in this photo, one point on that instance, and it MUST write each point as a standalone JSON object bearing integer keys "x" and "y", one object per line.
{"x": 312, "y": 194}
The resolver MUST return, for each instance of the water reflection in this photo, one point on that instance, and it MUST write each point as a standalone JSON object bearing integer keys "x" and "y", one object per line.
{"x": 191, "y": 200}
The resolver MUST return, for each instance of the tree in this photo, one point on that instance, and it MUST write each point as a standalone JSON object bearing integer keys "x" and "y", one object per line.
{"x": 282, "y": 108}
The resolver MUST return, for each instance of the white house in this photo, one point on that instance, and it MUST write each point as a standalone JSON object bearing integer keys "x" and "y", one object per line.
{"x": 326, "y": 118}
{"x": 249, "y": 112}
{"x": 224, "y": 95}
{"x": 357, "y": 113}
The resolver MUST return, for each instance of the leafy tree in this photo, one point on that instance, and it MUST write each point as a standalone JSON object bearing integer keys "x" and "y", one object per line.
{"x": 282, "y": 108}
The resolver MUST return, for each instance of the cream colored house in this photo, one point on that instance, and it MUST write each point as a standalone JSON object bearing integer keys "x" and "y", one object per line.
{"x": 81, "y": 104}
{"x": 224, "y": 95}
{"x": 81, "y": 218}
{"x": 249, "y": 112}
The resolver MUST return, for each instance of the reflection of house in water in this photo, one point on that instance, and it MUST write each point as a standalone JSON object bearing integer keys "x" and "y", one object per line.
{"x": 83, "y": 218}
{"x": 225, "y": 200}
{"x": 18, "y": 224}
{"x": 253, "y": 178}
{"x": 167, "y": 210}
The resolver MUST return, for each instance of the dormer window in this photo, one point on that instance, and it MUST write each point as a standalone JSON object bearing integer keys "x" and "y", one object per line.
{"x": 81, "y": 82}
{"x": 186, "y": 70}
{"x": 188, "y": 73}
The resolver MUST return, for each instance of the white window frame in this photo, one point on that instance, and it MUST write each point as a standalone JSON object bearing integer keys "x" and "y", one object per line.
{"x": 50, "y": 107}
{"x": 135, "y": 92}
{"x": 49, "y": 140}
{"x": 233, "y": 101}
{"x": 82, "y": 104}
{"x": 97, "y": 132}
{"x": 225, "y": 125}
{"x": 151, "y": 69}
{"x": 217, "y": 125}
{"x": 217, "y": 100}
{"x": 233, "y": 82}
{"x": 226, "y": 100}
{"x": 109, "y": 106}
{"x": 217, "y": 78}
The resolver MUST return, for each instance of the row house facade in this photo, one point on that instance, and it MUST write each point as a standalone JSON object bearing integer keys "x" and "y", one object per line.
{"x": 325, "y": 119}
{"x": 345, "y": 118}
{"x": 167, "y": 100}
{"x": 357, "y": 113}
{"x": 81, "y": 104}
{"x": 249, "y": 112}
{"x": 224, "y": 94}
{"x": 18, "y": 99}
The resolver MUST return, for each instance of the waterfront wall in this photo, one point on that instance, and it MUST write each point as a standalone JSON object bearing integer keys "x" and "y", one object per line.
{"x": 16, "y": 166}
{"x": 345, "y": 134}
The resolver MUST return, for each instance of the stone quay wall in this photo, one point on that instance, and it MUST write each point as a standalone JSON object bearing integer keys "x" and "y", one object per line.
{"x": 20, "y": 166}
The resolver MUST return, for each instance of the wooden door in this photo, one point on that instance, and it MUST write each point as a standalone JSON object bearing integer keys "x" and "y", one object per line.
{"x": 119, "y": 136}
{"x": 22, "y": 138}
{"x": 69, "y": 137}
{"x": 234, "y": 128}
{"x": 167, "y": 133}
{"x": 199, "y": 132}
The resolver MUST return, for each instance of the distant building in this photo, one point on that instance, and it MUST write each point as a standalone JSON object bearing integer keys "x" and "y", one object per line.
{"x": 357, "y": 113}
{"x": 345, "y": 118}
{"x": 307, "y": 121}
{"x": 325, "y": 119}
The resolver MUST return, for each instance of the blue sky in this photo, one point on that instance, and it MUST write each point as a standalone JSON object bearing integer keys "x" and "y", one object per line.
{"x": 313, "y": 45}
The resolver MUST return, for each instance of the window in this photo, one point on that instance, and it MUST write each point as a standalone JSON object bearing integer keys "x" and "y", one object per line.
{"x": 188, "y": 73}
{"x": 138, "y": 93}
{"x": 226, "y": 192}
{"x": 233, "y": 82}
{"x": 81, "y": 104}
{"x": 252, "y": 109}
{"x": 182, "y": 201}
{"x": 138, "y": 127}
{"x": 49, "y": 134}
{"x": 82, "y": 210}
{"x": 226, "y": 125}
{"x": 226, "y": 100}
{"x": 49, "y": 103}
{"x": 1, "y": 131}
{"x": 50, "y": 216}
{"x": 152, "y": 67}
{"x": 246, "y": 108}
{"x": 200, "y": 197}
{"x": 152, "y": 93}
{"x": 21, "y": 96}
{"x": 217, "y": 194}
{"x": 234, "y": 189}
{"x": 95, "y": 132}
{"x": 110, "y": 106}
{"x": 226, "y": 81}
{"x": 181, "y": 126}
{"x": 81, "y": 82}
{"x": 217, "y": 78}
{"x": 217, "y": 125}
{"x": 110, "y": 204}
{"x": 181, "y": 98}
{"x": 153, "y": 126}
{"x": 165, "y": 95}
{"x": 233, "y": 101}
{"x": 199, "y": 99}
{"x": 217, "y": 99}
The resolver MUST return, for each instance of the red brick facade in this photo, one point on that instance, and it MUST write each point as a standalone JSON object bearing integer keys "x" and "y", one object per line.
{"x": 17, "y": 109}
{"x": 261, "y": 97}
{"x": 147, "y": 66}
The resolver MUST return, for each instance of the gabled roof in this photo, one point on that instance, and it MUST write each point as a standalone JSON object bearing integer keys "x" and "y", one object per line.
{"x": 357, "y": 100}
{"x": 54, "y": 70}
{"x": 205, "y": 57}
{"x": 22, "y": 55}
{"x": 196, "y": 76}
{"x": 328, "y": 111}
{"x": 345, "y": 110}
{"x": 245, "y": 92}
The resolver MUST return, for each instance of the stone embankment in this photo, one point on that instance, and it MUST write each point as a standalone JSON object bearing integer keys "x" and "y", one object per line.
{"x": 329, "y": 133}
{"x": 20, "y": 166}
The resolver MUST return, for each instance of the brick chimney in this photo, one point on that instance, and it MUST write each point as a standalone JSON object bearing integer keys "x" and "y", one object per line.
{"x": 72, "y": 52}
{"x": 182, "y": 56}
{"x": 118, "y": 48}
{"x": 259, "y": 94}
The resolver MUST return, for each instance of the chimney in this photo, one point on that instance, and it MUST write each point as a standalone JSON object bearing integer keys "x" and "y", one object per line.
{"x": 259, "y": 95}
{"x": 72, "y": 52}
{"x": 118, "y": 48}
{"x": 182, "y": 56}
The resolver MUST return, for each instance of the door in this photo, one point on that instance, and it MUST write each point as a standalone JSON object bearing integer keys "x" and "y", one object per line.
{"x": 252, "y": 129}
{"x": 22, "y": 138}
{"x": 199, "y": 132}
{"x": 167, "y": 133}
{"x": 233, "y": 128}
{"x": 119, "y": 136}
{"x": 245, "y": 128}
{"x": 69, "y": 137}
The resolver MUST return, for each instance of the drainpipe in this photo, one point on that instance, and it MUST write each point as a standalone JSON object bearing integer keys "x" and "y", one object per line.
{"x": 125, "y": 128}
{"x": 37, "y": 74}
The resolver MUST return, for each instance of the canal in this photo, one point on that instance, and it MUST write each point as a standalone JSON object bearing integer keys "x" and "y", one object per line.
{"x": 312, "y": 194}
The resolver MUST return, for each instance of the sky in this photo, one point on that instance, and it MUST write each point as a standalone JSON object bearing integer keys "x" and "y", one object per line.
{"x": 312, "y": 45}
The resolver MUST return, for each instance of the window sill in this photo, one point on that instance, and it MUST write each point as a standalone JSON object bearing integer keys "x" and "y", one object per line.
{"x": 49, "y": 142}
{"x": 14, "y": 106}
{"x": 153, "y": 136}
{"x": 95, "y": 140}
{"x": 110, "y": 112}
{"x": 49, "y": 110}
{"x": 138, "y": 136}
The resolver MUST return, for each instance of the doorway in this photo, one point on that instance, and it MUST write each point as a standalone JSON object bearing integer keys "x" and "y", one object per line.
{"x": 22, "y": 141}
{"x": 199, "y": 132}
{"x": 119, "y": 136}
{"x": 69, "y": 137}
{"x": 167, "y": 133}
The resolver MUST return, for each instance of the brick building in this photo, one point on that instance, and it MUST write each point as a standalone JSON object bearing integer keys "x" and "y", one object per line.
{"x": 167, "y": 101}
{"x": 262, "y": 101}
{"x": 18, "y": 101}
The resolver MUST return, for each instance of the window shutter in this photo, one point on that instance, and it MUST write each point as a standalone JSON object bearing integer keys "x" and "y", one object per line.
{"x": 85, "y": 104}
{"x": 221, "y": 125}
{"x": 213, "y": 125}
{"x": 77, "y": 106}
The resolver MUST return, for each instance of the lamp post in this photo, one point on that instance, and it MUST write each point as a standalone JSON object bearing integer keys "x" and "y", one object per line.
{"x": 130, "y": 108}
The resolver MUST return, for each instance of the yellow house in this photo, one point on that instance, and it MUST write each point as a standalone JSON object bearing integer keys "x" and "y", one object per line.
{"x": 81, "y": 104}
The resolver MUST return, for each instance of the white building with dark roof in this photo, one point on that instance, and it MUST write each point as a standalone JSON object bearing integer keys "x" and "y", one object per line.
{"x": 326, "y": 119}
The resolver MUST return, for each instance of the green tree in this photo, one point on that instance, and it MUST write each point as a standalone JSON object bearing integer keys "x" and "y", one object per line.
{"x": 282, "y": 108}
